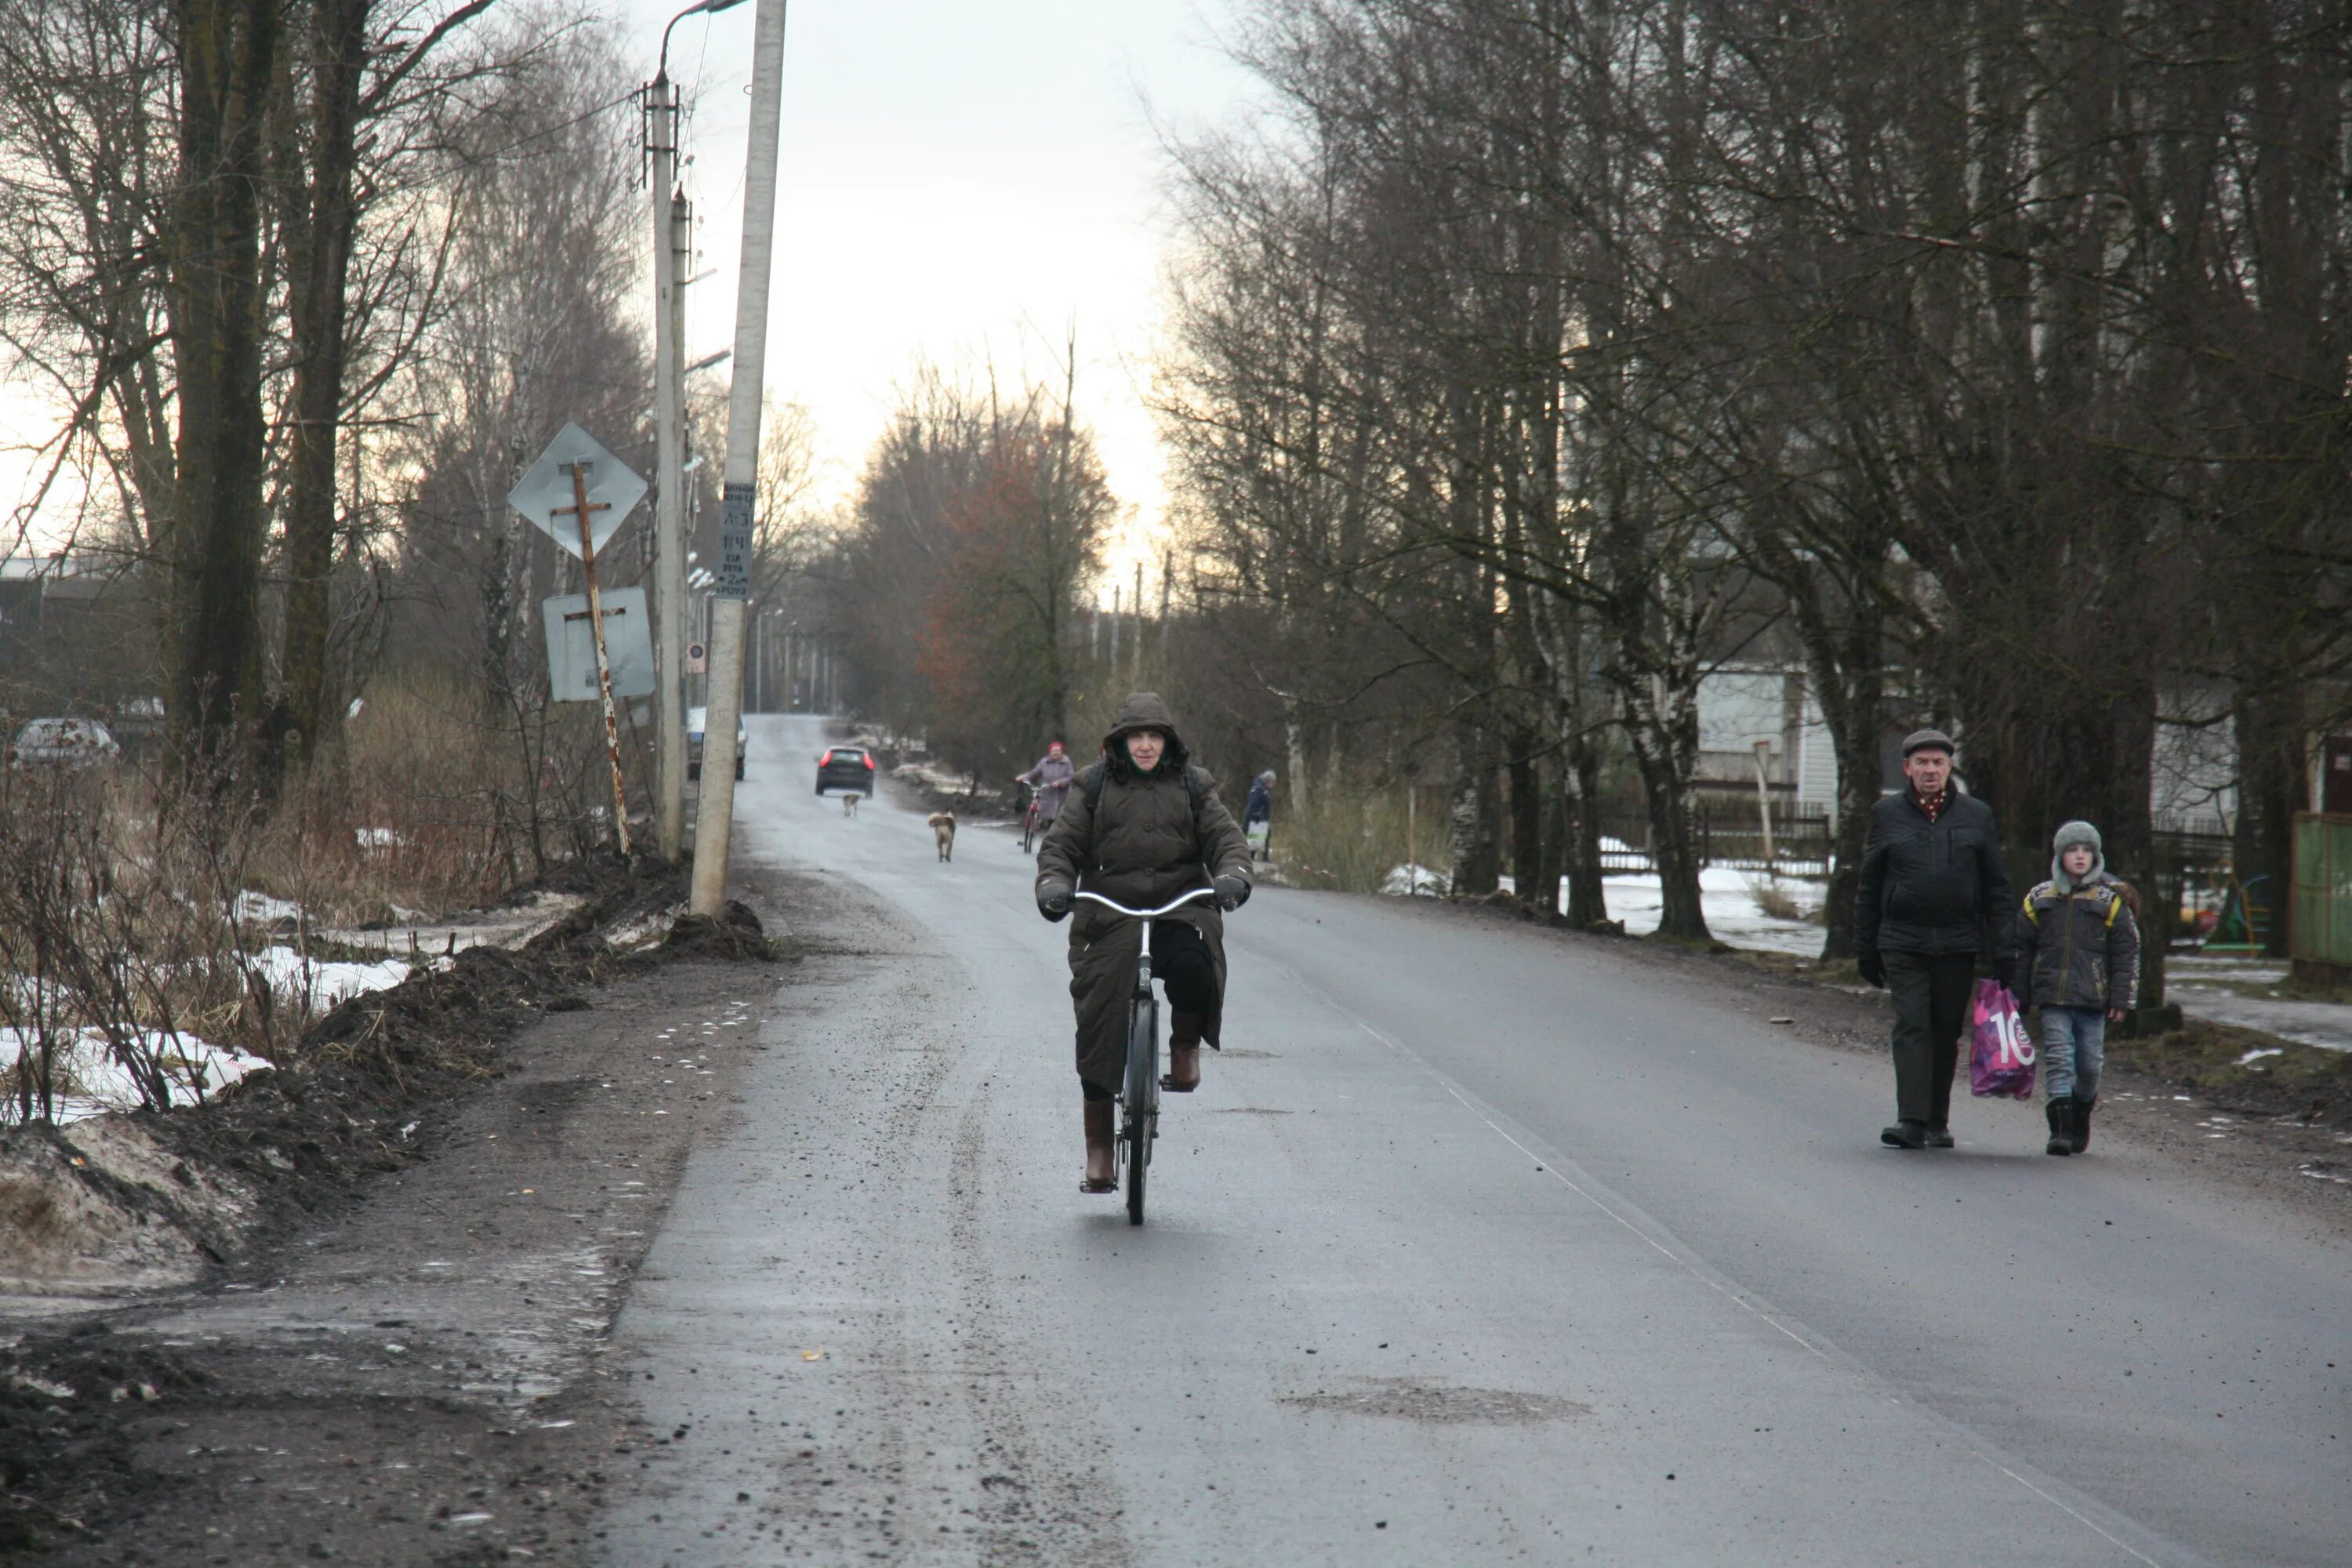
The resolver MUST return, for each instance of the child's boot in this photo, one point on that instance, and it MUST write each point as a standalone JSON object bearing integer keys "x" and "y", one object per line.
{"x": 2079, "y": 1134}
{"x": 2061, "y": 1111}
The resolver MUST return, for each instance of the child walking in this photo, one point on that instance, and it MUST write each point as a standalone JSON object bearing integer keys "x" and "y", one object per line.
{"x": 2081, "y": 966}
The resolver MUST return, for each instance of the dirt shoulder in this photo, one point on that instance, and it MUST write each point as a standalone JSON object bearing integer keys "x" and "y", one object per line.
{"x": 2262, "y": 1114}
{"x": 403, "y": 1366}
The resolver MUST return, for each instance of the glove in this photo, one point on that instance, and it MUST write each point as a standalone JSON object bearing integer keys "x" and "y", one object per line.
{"x": 1873, "y": 968}
{"x": 1232, "y": 892}
{"x": 1054, "y": 899}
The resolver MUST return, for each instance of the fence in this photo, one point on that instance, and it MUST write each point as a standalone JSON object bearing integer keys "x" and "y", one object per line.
{"x": 2319, "y": 933}
{"x": 1800, "y": 845}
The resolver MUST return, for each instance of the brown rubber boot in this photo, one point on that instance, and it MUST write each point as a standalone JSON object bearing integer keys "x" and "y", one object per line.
{"x": 1098, "y": 1177}
{"x": 1183, "y": 1074}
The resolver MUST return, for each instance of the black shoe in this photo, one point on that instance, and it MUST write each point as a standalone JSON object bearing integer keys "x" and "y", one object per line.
{"x": 2081, "y": 1131}
{"x": 2061, "y": 1111}
{"x": 1940, "y": 1137}
{"x": 1905, "y": 1135}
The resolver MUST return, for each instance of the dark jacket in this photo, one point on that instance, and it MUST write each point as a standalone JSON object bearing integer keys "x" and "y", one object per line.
{"x": 2081, "y": 946}
{"x": 1933, "y": 887}
{"x": 1142, "y": 845}
{"x": 1260, "y": 807}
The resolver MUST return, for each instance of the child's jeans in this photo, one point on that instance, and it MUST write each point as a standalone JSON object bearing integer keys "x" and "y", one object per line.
{"x": 2074, "y": 1048}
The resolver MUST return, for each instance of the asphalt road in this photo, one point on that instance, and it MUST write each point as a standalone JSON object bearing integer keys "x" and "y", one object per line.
{"x": 1475, "y": 1248}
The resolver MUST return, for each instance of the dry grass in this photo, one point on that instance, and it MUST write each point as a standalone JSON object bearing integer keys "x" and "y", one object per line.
{"x": 1349, "y": 843}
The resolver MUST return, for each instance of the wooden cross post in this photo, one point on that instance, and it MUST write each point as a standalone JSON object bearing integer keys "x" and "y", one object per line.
{"x": 581, "y": 510}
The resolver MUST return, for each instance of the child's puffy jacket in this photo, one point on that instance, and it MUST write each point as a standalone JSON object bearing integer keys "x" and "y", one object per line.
{"x": 2081, "y": 948}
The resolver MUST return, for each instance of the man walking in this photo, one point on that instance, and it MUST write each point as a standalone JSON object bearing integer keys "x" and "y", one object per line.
{"x": 1933, "y": 896}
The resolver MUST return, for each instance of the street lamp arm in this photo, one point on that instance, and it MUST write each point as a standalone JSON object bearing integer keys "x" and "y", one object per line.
{"x": 700, "y": 8}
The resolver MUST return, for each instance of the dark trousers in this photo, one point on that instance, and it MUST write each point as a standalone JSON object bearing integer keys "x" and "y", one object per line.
{"x": 1179, "y": 961}
{"x": 1931, "y": 1007}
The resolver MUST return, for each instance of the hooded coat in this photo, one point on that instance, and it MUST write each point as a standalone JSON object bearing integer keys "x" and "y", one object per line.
{"x": 1142, "y": 845}
{"x": 2081, "y": 943}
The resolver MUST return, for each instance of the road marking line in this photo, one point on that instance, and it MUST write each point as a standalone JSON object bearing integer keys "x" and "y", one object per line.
{"x": 1550, "y": 1168}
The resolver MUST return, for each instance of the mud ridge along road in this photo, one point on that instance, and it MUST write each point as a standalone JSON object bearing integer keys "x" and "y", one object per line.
{"x": 1476, "y": 1247}
{"x": 1480, "y": 1244}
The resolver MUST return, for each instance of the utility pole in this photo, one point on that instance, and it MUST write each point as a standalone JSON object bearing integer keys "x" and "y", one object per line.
{"x": 715, "y": 815}
{"x": 669, "y": 510}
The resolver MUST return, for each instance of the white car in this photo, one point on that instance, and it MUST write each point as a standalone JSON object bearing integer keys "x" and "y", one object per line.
{"x": 696, "y": 718}
{"x": 65, "y": 742}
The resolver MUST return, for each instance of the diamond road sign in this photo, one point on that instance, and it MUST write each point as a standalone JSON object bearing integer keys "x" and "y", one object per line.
{"x": 546, "y": 497}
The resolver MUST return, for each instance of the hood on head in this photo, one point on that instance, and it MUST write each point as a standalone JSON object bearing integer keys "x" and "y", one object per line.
{"x": 2065, "y": 838}
{"x": 1144, "y": 711}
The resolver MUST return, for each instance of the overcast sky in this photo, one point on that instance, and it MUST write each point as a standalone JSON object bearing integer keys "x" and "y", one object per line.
{"x": 959, "y": 180}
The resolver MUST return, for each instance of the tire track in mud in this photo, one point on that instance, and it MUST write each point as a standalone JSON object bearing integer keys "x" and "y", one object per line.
{"x": 1044, "y": 1500}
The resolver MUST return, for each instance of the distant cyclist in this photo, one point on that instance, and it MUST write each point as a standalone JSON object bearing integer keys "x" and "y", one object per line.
{"x": 1050, "y": 779}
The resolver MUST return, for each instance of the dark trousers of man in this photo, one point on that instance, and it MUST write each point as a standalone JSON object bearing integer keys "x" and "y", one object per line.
{"x": 1931, "y": 1007}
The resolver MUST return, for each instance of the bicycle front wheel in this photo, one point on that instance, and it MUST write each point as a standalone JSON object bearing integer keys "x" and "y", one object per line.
{"x": 1143, "y": 1099}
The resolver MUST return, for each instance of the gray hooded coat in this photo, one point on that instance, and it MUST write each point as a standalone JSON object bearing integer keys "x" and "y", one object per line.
{"x": 1142, "y": 845}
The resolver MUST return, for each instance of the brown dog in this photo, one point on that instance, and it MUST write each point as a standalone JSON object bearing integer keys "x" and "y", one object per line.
{"x": 943, "y": 833}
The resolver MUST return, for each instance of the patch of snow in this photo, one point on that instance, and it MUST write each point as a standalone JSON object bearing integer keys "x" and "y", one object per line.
{"x": 94, "y": 1081}
{"x": 379, "y": 838}
{"x": 1415, "y": 881}
{"x": 1727, "y": 897}
{"x": 260, "y": 908}
{"x": 2258, "y": 1053}
{"x": 322, "y": 983}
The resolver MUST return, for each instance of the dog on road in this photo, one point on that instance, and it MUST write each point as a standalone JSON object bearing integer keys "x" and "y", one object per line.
{"x": 849, "y": 804}
{"x": 943, "y": 833}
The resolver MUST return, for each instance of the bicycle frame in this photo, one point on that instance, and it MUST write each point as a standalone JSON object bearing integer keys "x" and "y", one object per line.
{"x": 1142, "y": 1097}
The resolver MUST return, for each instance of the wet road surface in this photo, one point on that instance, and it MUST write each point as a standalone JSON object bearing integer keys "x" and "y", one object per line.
{"x": 1476, "y": 1247}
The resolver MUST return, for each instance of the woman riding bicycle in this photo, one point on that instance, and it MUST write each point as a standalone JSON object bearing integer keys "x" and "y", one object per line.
{"x": 1051, "y": 781}
{"x": 1142, "y": 826}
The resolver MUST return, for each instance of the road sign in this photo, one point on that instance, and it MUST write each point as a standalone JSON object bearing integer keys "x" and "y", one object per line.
{"x": 546, "y": 494}
{"x": 697, "y": 659}
{"x": 572, "y": 651}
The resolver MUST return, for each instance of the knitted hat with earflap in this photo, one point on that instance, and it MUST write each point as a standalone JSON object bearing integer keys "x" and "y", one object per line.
{"x": 2065, "y": 838}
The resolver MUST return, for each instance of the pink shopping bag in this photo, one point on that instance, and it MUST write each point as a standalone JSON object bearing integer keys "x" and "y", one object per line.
{"x": 2000, "y": 1056}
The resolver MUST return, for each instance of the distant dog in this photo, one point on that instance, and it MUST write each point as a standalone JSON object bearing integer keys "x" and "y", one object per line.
{"x": 943, "y": 833}
{"x": 849, "y": 804}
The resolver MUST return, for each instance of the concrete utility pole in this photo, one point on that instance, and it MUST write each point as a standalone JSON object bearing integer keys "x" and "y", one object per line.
{"x": 669, "y": 509}
{"x": 715, "y": 816}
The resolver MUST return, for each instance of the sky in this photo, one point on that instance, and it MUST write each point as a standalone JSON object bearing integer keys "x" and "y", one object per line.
{"x": 966, "y": 182}
{"x": 961, "y": 181}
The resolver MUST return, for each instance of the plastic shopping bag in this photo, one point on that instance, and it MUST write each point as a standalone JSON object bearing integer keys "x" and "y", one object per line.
{"x": 2001, "y": 1055}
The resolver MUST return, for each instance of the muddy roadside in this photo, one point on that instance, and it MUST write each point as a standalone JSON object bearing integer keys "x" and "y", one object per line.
{"x": 2262, "y": 1114}
{"x": 393, "y": 1353}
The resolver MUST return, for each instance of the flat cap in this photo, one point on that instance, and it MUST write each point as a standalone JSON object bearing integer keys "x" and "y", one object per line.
{"x": 1927, "y": 741}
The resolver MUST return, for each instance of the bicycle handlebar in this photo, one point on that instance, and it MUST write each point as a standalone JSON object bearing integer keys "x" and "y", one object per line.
{"x": 1147, "y": 914}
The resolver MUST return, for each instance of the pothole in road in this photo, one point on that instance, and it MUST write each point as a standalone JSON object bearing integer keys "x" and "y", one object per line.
{"x": 1408, "y": 1399}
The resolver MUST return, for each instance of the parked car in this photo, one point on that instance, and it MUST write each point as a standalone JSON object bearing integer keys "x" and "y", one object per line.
{"x": 846, "y": 767}
{"x": 695, "y": 718}
{"x": 65, "y": 742}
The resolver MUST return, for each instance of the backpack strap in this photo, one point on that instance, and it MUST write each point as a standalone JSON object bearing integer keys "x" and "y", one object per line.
{"x": 1096, "y": 774}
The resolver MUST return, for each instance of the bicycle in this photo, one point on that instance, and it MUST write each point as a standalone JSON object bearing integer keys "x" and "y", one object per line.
{"x": 1139, "y": 1126}
{"x": 1030, "y": 832}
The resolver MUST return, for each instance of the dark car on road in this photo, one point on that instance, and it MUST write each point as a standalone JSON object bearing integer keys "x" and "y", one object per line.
{"x": 846, "y": 767}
